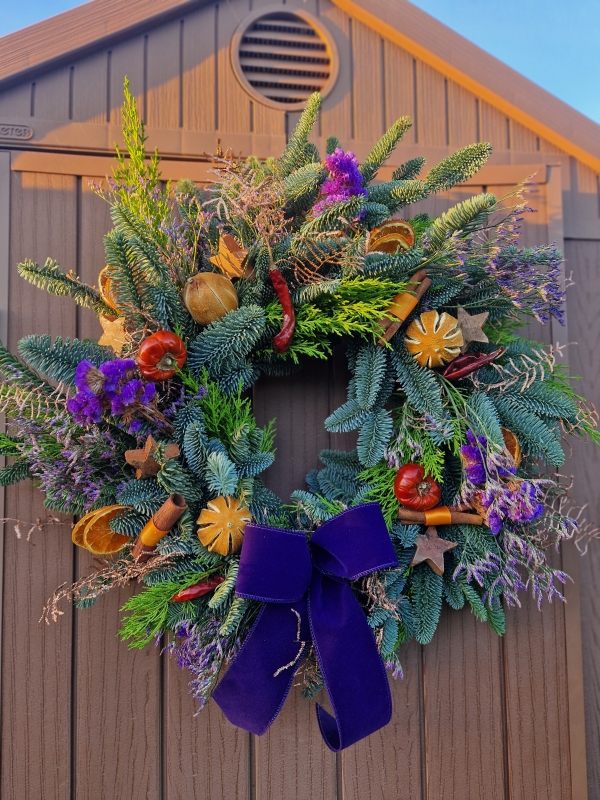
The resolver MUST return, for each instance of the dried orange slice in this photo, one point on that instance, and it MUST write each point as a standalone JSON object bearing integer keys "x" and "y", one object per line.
{"x": 97, "y": 535}
{"x": 390, "y": 236}
{"x": 221, "y": 525}
{"x": 105, "y": 288}
{"x": 434, "y": 339}
{"x": 79, "y": 527}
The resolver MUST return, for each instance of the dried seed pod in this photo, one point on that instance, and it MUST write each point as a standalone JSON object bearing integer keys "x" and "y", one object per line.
{"x": 208, "y": 296}
{"x": 434, "y": 339}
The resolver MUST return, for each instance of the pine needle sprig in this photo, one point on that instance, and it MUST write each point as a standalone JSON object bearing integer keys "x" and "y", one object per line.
{"x": 52, "y": 279}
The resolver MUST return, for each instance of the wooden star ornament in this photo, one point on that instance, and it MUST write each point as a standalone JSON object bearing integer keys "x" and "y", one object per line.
{"x": 231, "y": 258}
{"x": 114, "y": 334}
{"x": 431, "y": 548}
{"x": 146, "y": 466}
{"x": 471, "y": 326}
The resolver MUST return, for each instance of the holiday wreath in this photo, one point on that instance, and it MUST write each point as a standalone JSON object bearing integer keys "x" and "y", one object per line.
{"x": 158, "y": 454}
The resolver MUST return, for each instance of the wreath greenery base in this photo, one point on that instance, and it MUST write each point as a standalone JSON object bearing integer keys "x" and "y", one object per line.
{"x": 298, "y": 242}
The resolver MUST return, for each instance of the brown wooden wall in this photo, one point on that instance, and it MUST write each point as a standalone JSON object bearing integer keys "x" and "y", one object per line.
{"x": 475, "y": 716}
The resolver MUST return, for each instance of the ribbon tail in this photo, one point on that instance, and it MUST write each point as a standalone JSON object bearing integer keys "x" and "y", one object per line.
{"x": 353, "y": 671}
{"x": 255, "y": 686}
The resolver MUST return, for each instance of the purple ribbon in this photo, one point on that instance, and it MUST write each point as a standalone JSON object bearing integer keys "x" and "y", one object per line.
{"x": 304, "y": 585}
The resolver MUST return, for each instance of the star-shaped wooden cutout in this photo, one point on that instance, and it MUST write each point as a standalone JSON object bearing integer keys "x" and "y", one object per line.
{"x": 146, "y": 466}
{"x": 471, "y": 326}
{"x": 231, "y": 258}
{"x": 114, "y": 334}
{"x": 431, "y": 548}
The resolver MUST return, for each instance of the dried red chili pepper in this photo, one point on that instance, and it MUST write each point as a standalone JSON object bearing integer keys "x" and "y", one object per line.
{"x": 468, "y": 363}
{"x": 160, "y": 355}
{"x": 198, "y": 589}
{"x": 283, "y": 340}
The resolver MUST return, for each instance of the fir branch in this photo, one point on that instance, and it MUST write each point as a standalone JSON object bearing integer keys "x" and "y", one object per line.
{"x": 16, "y": 373}
{"x": 52, "y": 279}
{"x": 409, "y": 170}
{"x": 294, "y": 155}
{"x": 14, "y": 473}
{"x": 384, "y": 148}
{"x": 458, "y": 167}
{"x": 58, "y": 360}
{"x": 375, "y": 433}
{"x": 462, "y": 217}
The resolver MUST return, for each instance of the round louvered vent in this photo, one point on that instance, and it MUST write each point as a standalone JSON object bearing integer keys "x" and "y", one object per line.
{"x": 281, "y": 58}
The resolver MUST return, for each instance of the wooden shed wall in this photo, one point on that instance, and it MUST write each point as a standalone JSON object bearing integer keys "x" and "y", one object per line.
{"x": 83, "y": 717}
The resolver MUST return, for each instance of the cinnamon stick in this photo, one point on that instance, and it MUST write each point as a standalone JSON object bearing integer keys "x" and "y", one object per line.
{"x": 456, "y": 517}
{"x": 158, "y": 527}
{"x": 389, "y": 326}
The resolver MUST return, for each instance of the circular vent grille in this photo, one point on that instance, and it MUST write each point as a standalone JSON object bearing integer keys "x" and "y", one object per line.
{"x": 282, "y": 58}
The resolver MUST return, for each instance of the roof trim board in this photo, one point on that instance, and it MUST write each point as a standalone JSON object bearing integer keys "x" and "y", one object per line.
{"x": 101, "y": 22}
{"x": 86, "y": 28}
{"x": 480, "y": 73}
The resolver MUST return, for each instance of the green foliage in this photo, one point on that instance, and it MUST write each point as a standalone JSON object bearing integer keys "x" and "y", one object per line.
{"x": 148, "y": 610}
{"x": 375, "y": 433}
{"x": 52, "y": 279}
{"x": 336, "y": 216}
{"x": 462, "y": 217}
{"x": 420, "y": 385}
{"x": 13, "y": 473}
{"x": 458, "y": 167}
{"x": 137, "y": 179}
{"x": 235, "y": 617}
{"x": 294, "y": 155}
{"x": 536, "y": 437}
{"x": 379, "y": 480}
{"x": 224, "y": 592}
{"x": 226, "y": 342}
{"x": 332, "y": 144}
{"x": 58, "y": 360}
{"x": 426, "y": 601}
{"x": 302, "y": 187}
{"x": 16, "y": 373}
{"x": 384, "y": 148}
{"x": 220, "y": 474}
{"x": 409, "y": 170}
{"x": 482, "y": 417}
{"x": 352, "y": 308}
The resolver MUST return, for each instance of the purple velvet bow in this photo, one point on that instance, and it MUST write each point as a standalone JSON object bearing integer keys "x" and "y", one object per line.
{"x": 304, "y": 585}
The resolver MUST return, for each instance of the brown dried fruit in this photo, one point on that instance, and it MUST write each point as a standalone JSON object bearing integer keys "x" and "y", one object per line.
{"x": 208, "y": 296}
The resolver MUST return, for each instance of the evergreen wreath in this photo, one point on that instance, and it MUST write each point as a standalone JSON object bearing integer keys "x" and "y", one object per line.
{"x": 157, "y": 450}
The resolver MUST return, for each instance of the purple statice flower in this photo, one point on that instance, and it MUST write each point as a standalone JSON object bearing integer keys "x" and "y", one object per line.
{"x": 517, "y": 501}
{"x": 472, "y": 457}
{"x": 109, "y": 387}
{"x": 531, "y": 278}
{"x": 344, "y": 181}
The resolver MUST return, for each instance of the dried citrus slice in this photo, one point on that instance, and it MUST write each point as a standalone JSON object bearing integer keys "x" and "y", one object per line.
{"x": 106, "y": 289}
{"x": 391, "y": 236}
{"x": 433, "y": 339}
{"x": 221, "y": 525}
{"x": 79, "y": 527}
{"x": 97, "y": 535}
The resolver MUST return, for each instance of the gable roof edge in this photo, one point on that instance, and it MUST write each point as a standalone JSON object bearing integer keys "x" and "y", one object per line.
{"x": 583, "y": 143}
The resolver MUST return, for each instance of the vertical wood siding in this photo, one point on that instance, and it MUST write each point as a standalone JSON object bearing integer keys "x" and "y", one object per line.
{"x": 475, "y": 716}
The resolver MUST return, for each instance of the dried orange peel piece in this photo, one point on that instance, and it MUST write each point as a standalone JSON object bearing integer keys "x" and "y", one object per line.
{"x": 221, "y": 525}
{"x": 434, "y": 339}
{"x": 98, "y": 538}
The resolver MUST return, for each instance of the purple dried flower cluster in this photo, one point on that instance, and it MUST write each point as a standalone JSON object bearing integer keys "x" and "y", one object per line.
{"x": 515, "y": 500}
{"x": 73, "y": 467}
{"x": 201, "y": 650}
{"x": 531, "y": 278}
{"x": 344, "y": 181}
{"x": 110, "y": 387}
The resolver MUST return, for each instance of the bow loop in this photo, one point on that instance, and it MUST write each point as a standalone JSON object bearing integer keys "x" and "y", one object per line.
{"x": 353, "y": 543}
{"x": 275, "y": 566}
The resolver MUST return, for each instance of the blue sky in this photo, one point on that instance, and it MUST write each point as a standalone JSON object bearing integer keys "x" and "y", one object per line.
{"x": 553, "y": 42}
